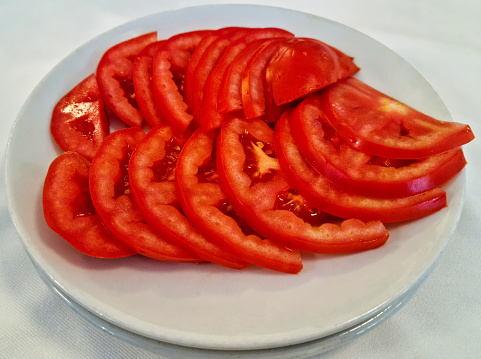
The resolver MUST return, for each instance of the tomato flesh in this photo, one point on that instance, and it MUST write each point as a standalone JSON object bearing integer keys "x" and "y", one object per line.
{"x": 356, "y": 172}
{"x": 256, "y": 202}
{"x": 68, "y": 209}
{"x": 79, "y": 122}
{"x": 327, "y": 197}
{"x": 204, "y": 203}
{"x": 151, "y": 173}
{"x": 109, "y": 185}
{"x": 377, "y": 124}
{"x": 115, "y": 78}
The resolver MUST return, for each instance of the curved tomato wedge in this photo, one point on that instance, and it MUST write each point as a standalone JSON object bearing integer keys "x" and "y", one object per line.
{"x": 143, "y": 87}
{"x": 69, "y": 212}
{"x": 114, "y": 75}
{"x": 110, "y": 191}
{"x": 151, "y": 174}
{"x": 79, "y": 122}
{"x": 189, "y": 78}
{"x": 207, "y": 62}
{"x": 331, "y": 199}
{"x": 206, "y": 206}
{"x": 168, "y": 70}
{"x": 377, "y": 124}
{"x": 360, "y": 173}
{"x": 210, "y": 117}
{"x": 306, "y": 66}
{"x": 259, "y": 191}
{"x": 256, "y": 84}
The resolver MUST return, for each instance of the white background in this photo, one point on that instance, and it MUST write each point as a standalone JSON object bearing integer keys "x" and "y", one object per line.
{"x": 441, "y": 39}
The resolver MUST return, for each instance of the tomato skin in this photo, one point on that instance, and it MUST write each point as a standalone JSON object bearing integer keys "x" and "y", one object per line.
{"x": 79, "y": 122}
{"x": 255, "y": 202}
{"x": 377, "y": 124}
{"x": 210, "y": 117}
{"x": 109, "y": 188}
{"x": 331, "y": 199}
{"x": 359, "y": 173}
{"x": 69, "y": 212}
{"x": 305, "y": 66}
{"x": 168, "y": 70}
{"x": 114, "y": 75}
{"x": 157, "y": 200}
{"x": 142, "y": 78}
{"x": 200, "y": 202}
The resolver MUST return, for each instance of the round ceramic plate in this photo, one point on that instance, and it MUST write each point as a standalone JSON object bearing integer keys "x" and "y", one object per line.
{"x": 208, "y": 306}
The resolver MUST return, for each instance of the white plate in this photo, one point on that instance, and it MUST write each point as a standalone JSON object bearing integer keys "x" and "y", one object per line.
{"x": 207, "y": 306}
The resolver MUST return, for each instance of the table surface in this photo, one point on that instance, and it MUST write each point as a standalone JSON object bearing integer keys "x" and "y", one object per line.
{"x": 441, "y": 39}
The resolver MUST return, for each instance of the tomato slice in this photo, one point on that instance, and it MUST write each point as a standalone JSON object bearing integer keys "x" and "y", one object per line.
{"x": 79, "y": 122}
{"x": 210, "y": 117}
{"x": 168, "y": 70}
{"x": 204, "y": 203}
{"x": 189, "y": 78}
{"x": 143, "y": 86}
{"x": 305, "y": 66}
{"x": 257, "y": 98}
{"x": 110, "y": 191}
{"x": 327, "y": 197}
{"x": 258, "y": 190}
{"x": 360, "y": 173}
{"x": 69, "y": 212}
{"x": 151, "y": 174}
{"x": 377, "y": 124}
{"x": 114, "y": 75}
{"x": 207, "y": 62}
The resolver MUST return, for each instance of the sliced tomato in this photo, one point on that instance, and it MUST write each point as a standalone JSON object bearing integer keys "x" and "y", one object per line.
{"x": 377, "y": 124}
{"x": 204, "y": 203}
{"x": 114, "y": 75}
{"x": 190, "y": 77}
{"x": 210, "y": 117}
{"x": 143, "y": 86}
{"x": 151, "y": 174}
{"x": 258, "y": 190}
{"x": 360, "y": 173}
{"x": 79, "y": 122}
{"x": 327, "y": 197}
{"x": 69, "y": 212}
{"x": 305, "y": 66}
{"x": 257, "y": 98}
{"x": 168, "y": 70}
{"x": 207, "y": 63}
{"x": 110, "y": 191}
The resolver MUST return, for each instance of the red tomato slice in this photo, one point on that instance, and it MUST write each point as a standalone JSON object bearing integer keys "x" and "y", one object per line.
{"x": 360, "y": 173}
{"x": 329, "y": 198}
{"x": 78, "y": 120}
{"x": 114, "y": 75}
{"x": 257, "y": 98}
{"x": 151, "y": 174}
{"x": 69, "y": 212}
{"x": 168, "y": 70}
{"x": 210, "y": 117}
{"x": 110, "y": 191}
{"x": 143, "y": 87}
{"x": 306, "y": 66}
{"x": 258, "y": 190}
{"x": 206, "y": 206}
{"x": 194, "y": 62}
{"x": 206, "y": 64}
{"x": 377, "y": 124}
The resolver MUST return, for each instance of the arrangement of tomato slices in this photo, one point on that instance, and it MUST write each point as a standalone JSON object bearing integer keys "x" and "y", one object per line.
{"x": 239, "y": 146}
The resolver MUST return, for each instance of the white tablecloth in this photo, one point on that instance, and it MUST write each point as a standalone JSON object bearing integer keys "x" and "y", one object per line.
{"x": 441, "y": 39}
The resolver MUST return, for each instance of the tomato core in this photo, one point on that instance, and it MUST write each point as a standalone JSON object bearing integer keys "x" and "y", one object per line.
{"x": 260, "y": 164}
{"x": 164, "y": 168}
